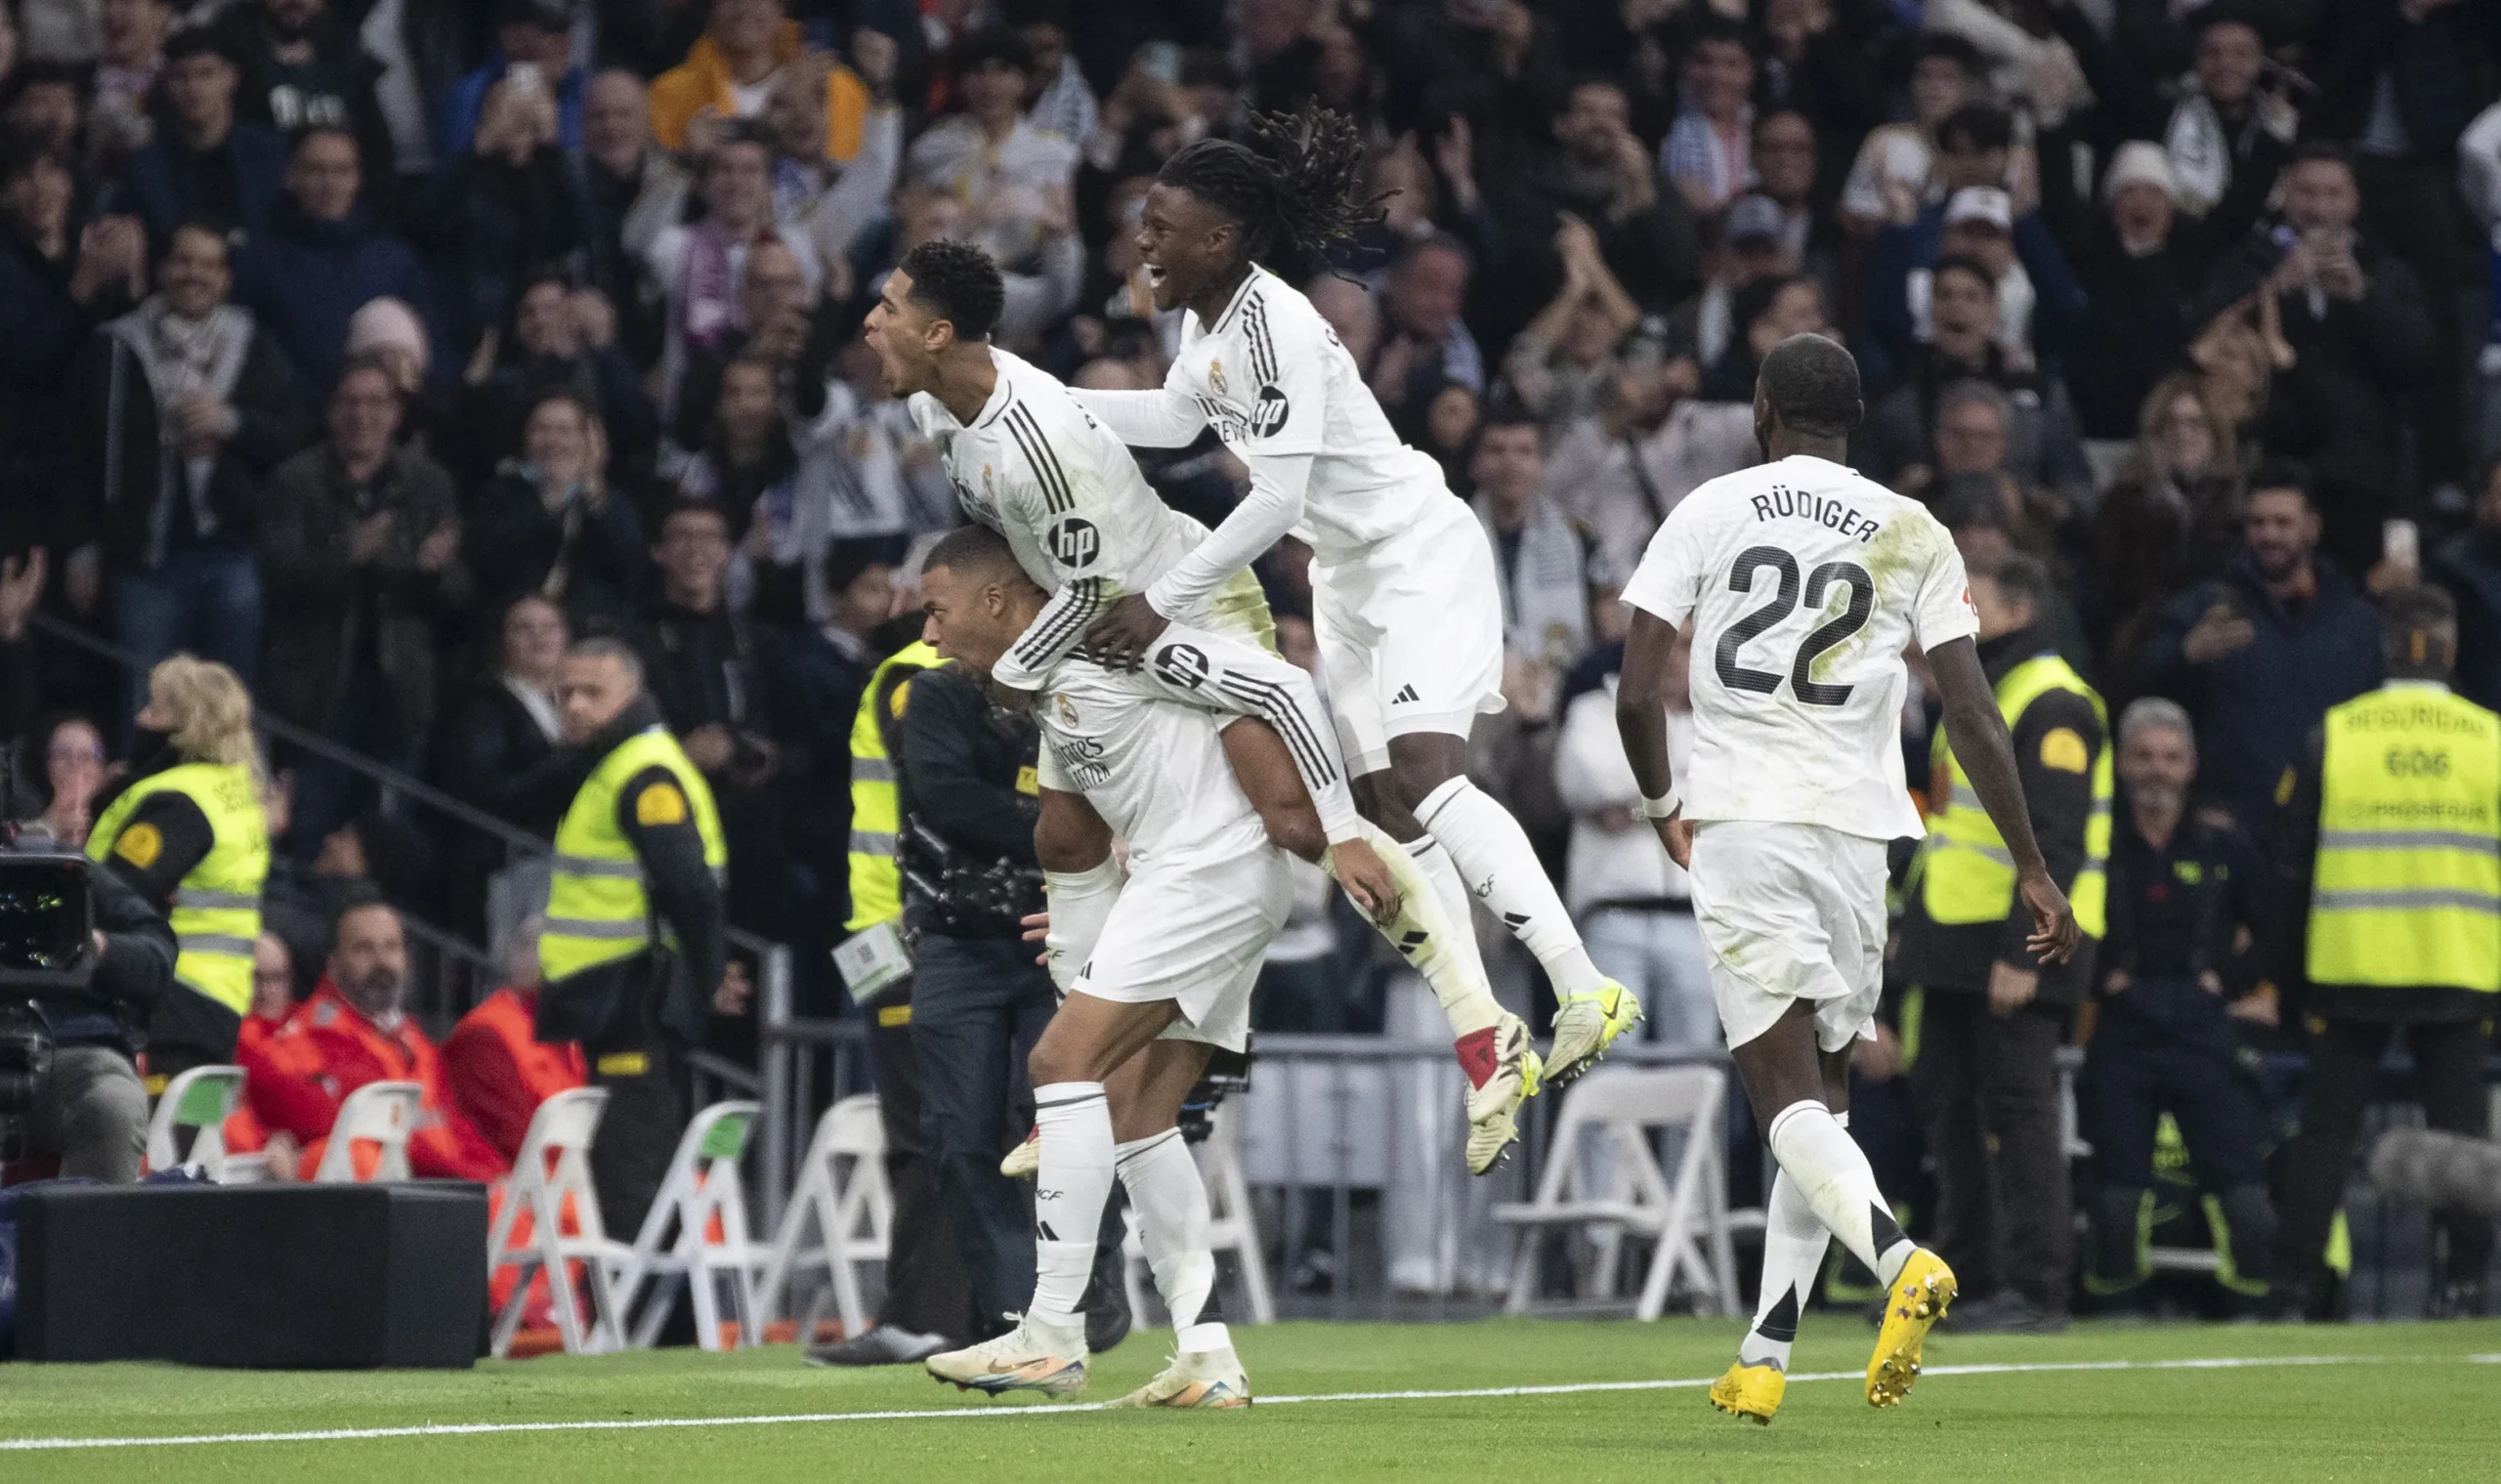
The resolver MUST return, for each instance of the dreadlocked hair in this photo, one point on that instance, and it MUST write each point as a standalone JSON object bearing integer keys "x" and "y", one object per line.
{"x": 1293, "y": 184}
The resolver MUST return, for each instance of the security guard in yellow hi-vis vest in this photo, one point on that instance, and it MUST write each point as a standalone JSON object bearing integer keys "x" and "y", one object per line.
{"x": 186, "y": 833}
{"x": 2391, "y": 838}
{"x": 635, "y": 943}
{"x": 1990, "y": 1019}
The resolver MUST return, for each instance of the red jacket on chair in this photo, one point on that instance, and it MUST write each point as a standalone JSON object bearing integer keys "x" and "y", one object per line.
{"x": 297, "y": 1076}
{"x": 498, "y": 1071}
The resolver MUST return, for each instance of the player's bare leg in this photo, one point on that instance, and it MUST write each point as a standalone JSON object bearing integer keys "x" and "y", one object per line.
{"x": 1486, "y": 855}
{"x": 1788, "y": 1079}
{"x": 1492, "y": 1043}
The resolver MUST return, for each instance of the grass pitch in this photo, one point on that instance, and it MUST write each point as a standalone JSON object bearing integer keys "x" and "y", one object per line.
{"x": 2378, "y": 1402}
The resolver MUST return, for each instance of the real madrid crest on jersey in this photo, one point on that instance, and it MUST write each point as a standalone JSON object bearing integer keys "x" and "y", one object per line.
{"x": 1216, "y": 376}
{"x": 1067, "y": 713}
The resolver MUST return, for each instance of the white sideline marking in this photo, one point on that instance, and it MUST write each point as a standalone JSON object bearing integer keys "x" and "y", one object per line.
{"x": 962, "y": 1413}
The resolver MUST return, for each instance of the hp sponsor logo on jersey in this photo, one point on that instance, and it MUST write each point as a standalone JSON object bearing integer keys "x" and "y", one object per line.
{"x": 1182, "y": 665}
{"x": 1075, "y": 543}
{"x": 1268, "y": 418}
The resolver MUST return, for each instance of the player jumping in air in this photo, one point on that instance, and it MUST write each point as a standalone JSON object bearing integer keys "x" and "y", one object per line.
{"x": 1802, "y": 583}
{"x": 1086, "y": 527}
{"x": 1158, "y": 968}
{"x": 1406, "y": 607}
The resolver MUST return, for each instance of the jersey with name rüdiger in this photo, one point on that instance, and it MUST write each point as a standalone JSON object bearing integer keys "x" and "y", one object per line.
{"x": 1802, "y": 583}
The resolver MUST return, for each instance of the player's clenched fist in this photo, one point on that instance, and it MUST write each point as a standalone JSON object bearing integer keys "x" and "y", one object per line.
{"x": 1360, "y": 869}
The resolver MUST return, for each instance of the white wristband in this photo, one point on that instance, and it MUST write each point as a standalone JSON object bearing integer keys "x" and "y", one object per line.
{"x": 1663, "y": 807}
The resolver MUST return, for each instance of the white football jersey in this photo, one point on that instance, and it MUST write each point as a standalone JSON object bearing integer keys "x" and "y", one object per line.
{"x": 1803, "y": 582}
{"x": 1144, "y": 746}
{"x": 1271, "y": 377}
{"x": 1081, "y": 519}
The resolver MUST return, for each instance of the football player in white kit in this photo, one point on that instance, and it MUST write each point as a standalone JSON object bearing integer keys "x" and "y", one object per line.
{"x": 1406, "y": 606}
{"x": 1802, "y": 583}
{"x": 1157, "y": 969}
{"x": 1086, "y": 527}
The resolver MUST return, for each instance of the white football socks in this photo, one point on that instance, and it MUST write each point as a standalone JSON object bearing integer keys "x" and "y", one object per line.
{"x": 1834, "y": 1179}
{"x": 1173, "y": 1221}
{"x": 1493, "y": 855}
{"x": 1794, "y": 1243}
{"x": 1069, "y": 1192}
{"x": 1080, "y": 903}
{"x": 1441, "y": 948}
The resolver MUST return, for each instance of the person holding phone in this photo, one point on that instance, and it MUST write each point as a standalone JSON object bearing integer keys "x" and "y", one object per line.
{"x": 534, "y": 55}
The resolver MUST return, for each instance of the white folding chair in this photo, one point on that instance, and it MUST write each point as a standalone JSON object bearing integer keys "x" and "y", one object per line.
{"x": 198, "y": 1100}
{"x": 1626, "y": 1194}
{"x": 551, "y": 1179}
{"x": 1232, "y": 1227}
{"x": 843, "y": 1194}
{"x": 382, "y": 1114}
{"x": 675, "y": 1245}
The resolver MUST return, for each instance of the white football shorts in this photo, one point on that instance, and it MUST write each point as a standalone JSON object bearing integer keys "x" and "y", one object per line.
{"x": 1791, "y": 912}
{"x": 1193, "y": 932}
{"x": 1410, "y": 631}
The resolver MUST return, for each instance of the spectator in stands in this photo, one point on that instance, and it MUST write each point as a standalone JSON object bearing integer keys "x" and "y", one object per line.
{"x": 512, "y": 205}
{"x": 58, "y": 281}
{"x": 533, "y": 54}
{"x": 323, "y": 258}
{"x": 552, "y": 525}
{"x": 1767, "y": 311}
{"x": 495, "y": 1069}
{"x": 2469, "y": 565}
{"x": 2259, "y": 655}
{"x": 729, "y": 691}
{"x": 41, "y": 111}
{"x": 1635, "y": 906}
{"x": 562, "y": 339}
{"x": 304, "y": 67}
{"x": 72, "y": 751}
{"x": 1014, "y": 179}
{"x": 2173, "y": 515}
{"x": 355, "y": 1030}
{"x": 1561, "y": 364}
{"x": 181, "y": 408}
{"x": 831, "y": 201}
{"x": 638, "y": 189}
{"x": 1424, "y": 342}
{"x": 1896, "y": 169}
{"x": 1600, "y": 172}
{"x": 2360, "y": 336}
{"x": 185, "y": 832}
{"x": 360, "y": 548}
{"x": 205, "y": 164}
{"x": 1784, "y": 175}
{"x": 746, "y": 470}
{"x": 1706, "y": 153}
{"x": 2142, "y": 264}
{"x": 496, "y": 751}
{"x": 1545, "y": 565}
{"x": 728, "y": 75}
{"x": 702, "y": 267}
{"x": 774, "y": 325}
{"x": 130, "y": 57}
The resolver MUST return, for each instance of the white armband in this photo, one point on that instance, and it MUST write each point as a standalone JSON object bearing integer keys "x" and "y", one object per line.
{"x": 1663, "y": 807}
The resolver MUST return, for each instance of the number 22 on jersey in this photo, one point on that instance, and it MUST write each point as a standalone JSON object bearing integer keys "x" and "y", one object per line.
{"x": 1746, "y": 576}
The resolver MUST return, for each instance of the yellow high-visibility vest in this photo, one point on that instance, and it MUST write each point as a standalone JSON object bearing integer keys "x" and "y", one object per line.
{"x": 599, "y": 907}
{"x": 876, "y": 813}
{"x": 2407, "y": 887}
{"x": 216, "y": 914}
{"x": 1967, "y": 872}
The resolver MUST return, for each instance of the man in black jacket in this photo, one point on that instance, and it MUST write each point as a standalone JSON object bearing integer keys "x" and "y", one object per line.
{"x": 1991, "y": 1018}
{"x": 180, "y": 410}
{"x": 92, "y": 1110}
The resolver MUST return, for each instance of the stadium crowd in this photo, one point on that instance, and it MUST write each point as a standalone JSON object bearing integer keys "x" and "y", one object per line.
{"x": 379, "y": 348}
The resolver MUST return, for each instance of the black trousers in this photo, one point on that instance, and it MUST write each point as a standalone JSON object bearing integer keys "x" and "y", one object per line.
{"x": 2343, "y": 1064}
{"x": 1988, "y": 1087}
{"x": 2132, "y": 1077}
{"x": 647, "y": 1093}
{"x": 925, "y": 1289}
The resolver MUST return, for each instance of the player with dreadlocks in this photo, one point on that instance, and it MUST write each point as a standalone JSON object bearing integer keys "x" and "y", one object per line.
{"x": 1406, "y": 608}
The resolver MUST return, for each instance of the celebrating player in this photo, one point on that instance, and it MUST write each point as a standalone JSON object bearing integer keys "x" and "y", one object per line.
{"x": 1802, "y": 582}
{"x": 1406, "y": 607}
{"x": 1085, "y": 526}
{"x": 1157, "y": 969}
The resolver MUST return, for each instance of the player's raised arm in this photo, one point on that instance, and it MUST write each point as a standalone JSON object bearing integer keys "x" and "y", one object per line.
{"x": 1641, "y": 720}
{"x": 1986, "y": 752}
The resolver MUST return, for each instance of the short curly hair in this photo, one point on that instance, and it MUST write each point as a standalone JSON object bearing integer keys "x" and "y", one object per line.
{"x": 958, "y": 283}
